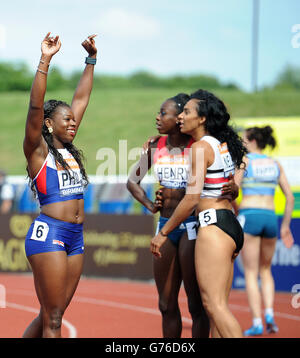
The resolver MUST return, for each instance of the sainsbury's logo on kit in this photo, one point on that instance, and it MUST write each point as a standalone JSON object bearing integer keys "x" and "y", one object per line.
{"x": 296, "y": 296}
{"x": 286, "y": 257}
{"x": 282, "y": 256}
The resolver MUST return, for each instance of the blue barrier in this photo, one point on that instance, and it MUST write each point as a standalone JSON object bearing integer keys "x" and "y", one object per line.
{"x": 27, "y": 202}
{"x": 89, "y": 198}
{"x": 285, "y": 264}
{"x": 108, "y": 198}
{"x": 149, "y": 189}
{"x": 115, "y": 207}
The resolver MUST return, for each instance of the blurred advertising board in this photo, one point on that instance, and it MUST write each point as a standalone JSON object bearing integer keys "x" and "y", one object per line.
{"x": 287, "y": 152}
{"x": 286, "y": 262}
{"x": 116, "y": 246}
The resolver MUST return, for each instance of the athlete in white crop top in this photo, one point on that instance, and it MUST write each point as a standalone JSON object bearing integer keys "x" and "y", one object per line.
{"x": 220, "y": 236}
{"x": 54, "y": 242}
{"x": 217, "y": 174}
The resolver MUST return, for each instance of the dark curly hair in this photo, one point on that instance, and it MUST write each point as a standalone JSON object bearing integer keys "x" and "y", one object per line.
{"x": 180, "y": 100}
{"x": 216, "y": 124}
{"x": 263, "y": 136}
{"x": 49, "y": 109}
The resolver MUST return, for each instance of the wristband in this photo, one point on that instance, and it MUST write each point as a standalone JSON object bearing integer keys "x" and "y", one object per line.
{"x": 43, "y": 62}
{"x": 44, "y": 72}
{"x": 90, "y": 61}
{"x": 162, "y": 234}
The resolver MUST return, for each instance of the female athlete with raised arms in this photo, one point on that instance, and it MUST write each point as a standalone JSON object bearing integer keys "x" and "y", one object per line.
{"x": 54, "y": 243}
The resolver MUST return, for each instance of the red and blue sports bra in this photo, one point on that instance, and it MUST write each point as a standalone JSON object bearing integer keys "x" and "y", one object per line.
{"x": 54, "y": 184}
{"x": 171, "y": 168}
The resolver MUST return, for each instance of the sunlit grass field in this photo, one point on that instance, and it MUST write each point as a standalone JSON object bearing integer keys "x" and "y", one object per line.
{"x": 127, "y": 114}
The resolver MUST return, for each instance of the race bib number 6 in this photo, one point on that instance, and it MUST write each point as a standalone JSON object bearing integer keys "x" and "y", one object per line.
{"x": 40, "y": 231}
{"x": 207, "y": 217}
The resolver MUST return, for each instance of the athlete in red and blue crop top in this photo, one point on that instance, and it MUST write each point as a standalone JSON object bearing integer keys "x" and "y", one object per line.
{"x": 171, "y": 167}
{"x": 54, "y": 242}
{"x": 54, "y": 183}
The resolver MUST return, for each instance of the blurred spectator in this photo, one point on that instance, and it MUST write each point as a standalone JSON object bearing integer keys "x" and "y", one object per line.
{"x": 6, "y": 194}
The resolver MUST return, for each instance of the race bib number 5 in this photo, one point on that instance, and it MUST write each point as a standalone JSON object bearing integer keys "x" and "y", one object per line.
{"x": 40, "y": 231}
{"x": 207, "y": 217}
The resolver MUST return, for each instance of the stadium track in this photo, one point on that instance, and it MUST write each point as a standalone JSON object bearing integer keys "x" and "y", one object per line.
{"x": 103, "y": 308}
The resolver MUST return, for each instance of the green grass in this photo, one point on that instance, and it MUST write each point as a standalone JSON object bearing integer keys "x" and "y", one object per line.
{"x": 127, "y": 114}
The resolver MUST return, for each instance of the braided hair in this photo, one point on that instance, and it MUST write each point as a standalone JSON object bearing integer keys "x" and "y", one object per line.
{"x": 180, "y": 100}
{"x": 216, "y": 124}
{"x": 49, "y": 109}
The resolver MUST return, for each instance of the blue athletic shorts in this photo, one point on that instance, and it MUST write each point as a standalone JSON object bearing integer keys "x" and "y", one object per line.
{"x": 189, "y": 225}
{"x": 47, "y": 234}
{"x": 259, "y": 222}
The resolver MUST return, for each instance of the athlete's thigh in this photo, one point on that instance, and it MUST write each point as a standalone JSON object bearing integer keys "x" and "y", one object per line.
{"x": 50, "y": 277}
{"x": 251, "y": 252}
{"x": 167, "y": 273}
{"x": 267, "y": 251}
{"x": 187, "y": 264}
{"x": 74, "y": 271}
{"x": 213, "y": 261}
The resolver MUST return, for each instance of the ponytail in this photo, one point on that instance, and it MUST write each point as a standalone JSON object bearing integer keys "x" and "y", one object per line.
{"x": 263, "y": 136}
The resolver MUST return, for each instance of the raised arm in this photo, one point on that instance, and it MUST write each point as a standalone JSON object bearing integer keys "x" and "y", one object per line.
{"x": 83, "y": 91}
{"x": 33, "y": 140}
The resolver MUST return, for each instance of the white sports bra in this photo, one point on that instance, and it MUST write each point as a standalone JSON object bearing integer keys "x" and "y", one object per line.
{"x": 217, "y": 174}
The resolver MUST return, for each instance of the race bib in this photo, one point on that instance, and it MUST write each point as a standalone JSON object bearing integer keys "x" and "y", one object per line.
{"x": 40, "y": 231}
{"x": 242, "y": 220}
{"x": 191, "y": 230}
{"x": 226, "y": 160}
{"x": 70, "y": 182}
{"x": 264, "y": 169}
{"x": 207, "y": 217}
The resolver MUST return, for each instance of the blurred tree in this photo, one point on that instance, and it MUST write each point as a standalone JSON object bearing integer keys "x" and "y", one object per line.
{"x": 18, "y": 77}
{"x": 289, "y": 78}
{"x": 15, "y": 77}
{"x": 56, "y": 80}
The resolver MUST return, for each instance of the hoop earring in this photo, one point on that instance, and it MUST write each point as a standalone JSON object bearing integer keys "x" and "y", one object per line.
{"x": 50, "y": 130}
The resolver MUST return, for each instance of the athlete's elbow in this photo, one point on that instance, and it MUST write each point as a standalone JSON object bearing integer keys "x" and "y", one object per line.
{"x": 36, "y": 105}
{"x": 128, "y": 185}
{"x": 131, "y": 185}
{"x": 290, "y": 199}
{"x": 192, "y": 200}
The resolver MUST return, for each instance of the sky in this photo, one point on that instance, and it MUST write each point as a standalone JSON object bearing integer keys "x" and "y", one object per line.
{"x": 165, "y": 37}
